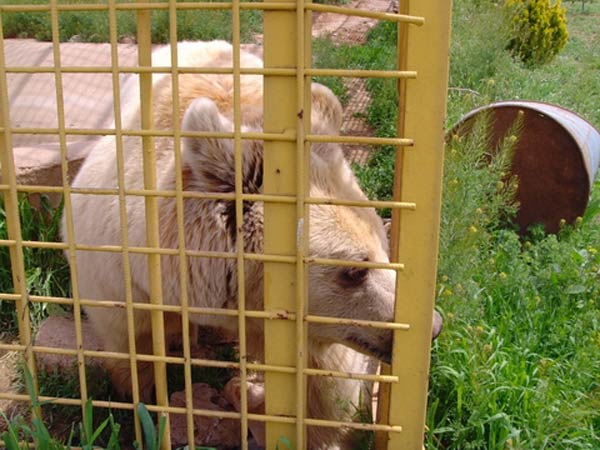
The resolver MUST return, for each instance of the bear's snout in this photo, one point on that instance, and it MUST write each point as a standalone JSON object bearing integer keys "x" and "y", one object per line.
{"x": 384, "y": 347}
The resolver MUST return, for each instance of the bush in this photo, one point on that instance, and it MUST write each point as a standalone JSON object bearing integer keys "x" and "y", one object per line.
{"x": 538, "y": 30}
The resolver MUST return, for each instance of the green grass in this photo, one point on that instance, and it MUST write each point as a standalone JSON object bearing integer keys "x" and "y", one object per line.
{"x": 86, "y": 434}
{"x": 94, "y": 429}
{"x": 46, "y": 270}
{"x": 215, "y": 377}
{"x": 518, "y": 363}
{"x": 93, "y": 26}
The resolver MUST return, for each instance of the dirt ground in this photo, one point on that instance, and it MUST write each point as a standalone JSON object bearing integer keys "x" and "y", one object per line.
{"x": 349, "y": 29}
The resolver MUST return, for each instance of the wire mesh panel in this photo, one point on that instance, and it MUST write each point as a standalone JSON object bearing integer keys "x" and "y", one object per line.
{"x": 221, "y": 250}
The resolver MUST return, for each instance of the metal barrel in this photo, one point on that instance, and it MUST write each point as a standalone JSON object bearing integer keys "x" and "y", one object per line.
{"x": 556, "y": 159}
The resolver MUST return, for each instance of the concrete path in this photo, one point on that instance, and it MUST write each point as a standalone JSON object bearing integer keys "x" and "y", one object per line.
{"x": 88, "y": 97}
{"x": 87, "y": 100}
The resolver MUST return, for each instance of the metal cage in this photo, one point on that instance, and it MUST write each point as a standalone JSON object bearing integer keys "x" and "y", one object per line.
{"x": 422, "y": 77}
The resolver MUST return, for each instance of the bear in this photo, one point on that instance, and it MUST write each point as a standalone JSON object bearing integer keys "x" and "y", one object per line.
{"x": 207, "y": 165}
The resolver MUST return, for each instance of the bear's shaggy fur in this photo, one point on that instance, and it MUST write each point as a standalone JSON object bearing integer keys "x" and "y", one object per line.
{"x": 340, "y": 232}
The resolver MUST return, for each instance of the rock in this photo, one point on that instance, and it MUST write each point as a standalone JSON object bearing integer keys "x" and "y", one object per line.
{"x": 59, "y": 332}
{"x": 256, "y": 404}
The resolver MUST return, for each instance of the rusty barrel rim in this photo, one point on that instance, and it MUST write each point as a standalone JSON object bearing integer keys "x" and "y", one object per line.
{"x": 556, "y": 159}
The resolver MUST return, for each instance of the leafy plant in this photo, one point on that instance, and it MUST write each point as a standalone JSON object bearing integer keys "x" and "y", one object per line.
{"x": 19, "y": 434}
{"x": 286, "y": 442}
{"x": 151, "y": 437}
{"x": 538, "y": 30}
{"x": 46, "y": 270}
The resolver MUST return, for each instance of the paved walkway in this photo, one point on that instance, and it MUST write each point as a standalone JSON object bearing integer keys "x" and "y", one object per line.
{"x": 88, "y": 97}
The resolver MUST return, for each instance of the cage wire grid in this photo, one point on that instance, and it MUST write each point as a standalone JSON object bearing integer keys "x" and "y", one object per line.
{"x": 402, "y": 406}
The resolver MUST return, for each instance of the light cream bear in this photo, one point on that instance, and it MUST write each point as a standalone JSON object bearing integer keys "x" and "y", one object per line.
{"x": 347, "y": 233}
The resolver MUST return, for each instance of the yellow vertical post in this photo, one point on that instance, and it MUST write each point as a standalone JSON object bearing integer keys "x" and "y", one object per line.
{"x": 280, "y": 178}
{"x": 152, "y": 223}
{"x": 422, "y": 114}
{"x": 303, "y": 118}
{"x": 383, "y": 405}
{"x": 68, "y": 211}
{"x": 239, "y": 214}
{"x": 13, "y": 224}
{"x": 114, "y": 58}
{"x": 179, "y": 188}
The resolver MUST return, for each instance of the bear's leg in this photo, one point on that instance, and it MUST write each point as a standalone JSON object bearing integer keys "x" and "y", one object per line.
{"x": 174, "y": 334}
{"x": 120, "y": 376}
{"x": 121, "y": 370}
{"x": 112, "y": 326}
{"x": 256, "y": 404}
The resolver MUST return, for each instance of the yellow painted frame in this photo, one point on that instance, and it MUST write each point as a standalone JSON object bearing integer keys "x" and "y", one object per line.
{"x": 422, "y": 78}
{"x": 415, "y": 235}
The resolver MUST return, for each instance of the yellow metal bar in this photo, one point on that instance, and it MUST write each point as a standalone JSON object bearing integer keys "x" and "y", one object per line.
{"x": 419, "y": 175}
{"x": 359, "y": 140}
{"x": 152, "y": 222}
{"x": 67, "y": 202}
{"x": 210, "y": 413}
{"x": 365, "y": 204}
{"x": 183, "y": 266}
{"x": 383, "y": 404}
{"x": 283, "y": 6}
{"x": 280, "y": 220}
{"x": 13, "y": 223}
{"x": 345, "y": 263}
{"x": 360, "y": 323}
{"x": 138, "y": 70}
{"x": 390, "y": 17}
{"x": 239, "y": 215}
{"x": 114, "y": 55}
{"x": 210, "y": 196}
{"x": 303, "y": 99}
{"x": 358, "y": 73}
{"x": 287, "y": 137}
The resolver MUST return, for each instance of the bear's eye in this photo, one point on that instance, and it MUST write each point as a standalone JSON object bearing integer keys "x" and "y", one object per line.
{"x": 353, "y": 276}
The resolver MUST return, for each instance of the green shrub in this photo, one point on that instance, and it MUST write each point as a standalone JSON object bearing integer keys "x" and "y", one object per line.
{"x": 538, "y": 30}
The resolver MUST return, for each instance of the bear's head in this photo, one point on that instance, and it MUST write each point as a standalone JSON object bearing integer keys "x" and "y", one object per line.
{"x": 335, "y": 232}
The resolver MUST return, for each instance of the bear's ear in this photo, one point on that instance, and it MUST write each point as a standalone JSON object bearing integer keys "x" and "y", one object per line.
{"x": 326, "y": 111}
{"x": 326, "y": 118}
{"x": 209, "y": 160}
